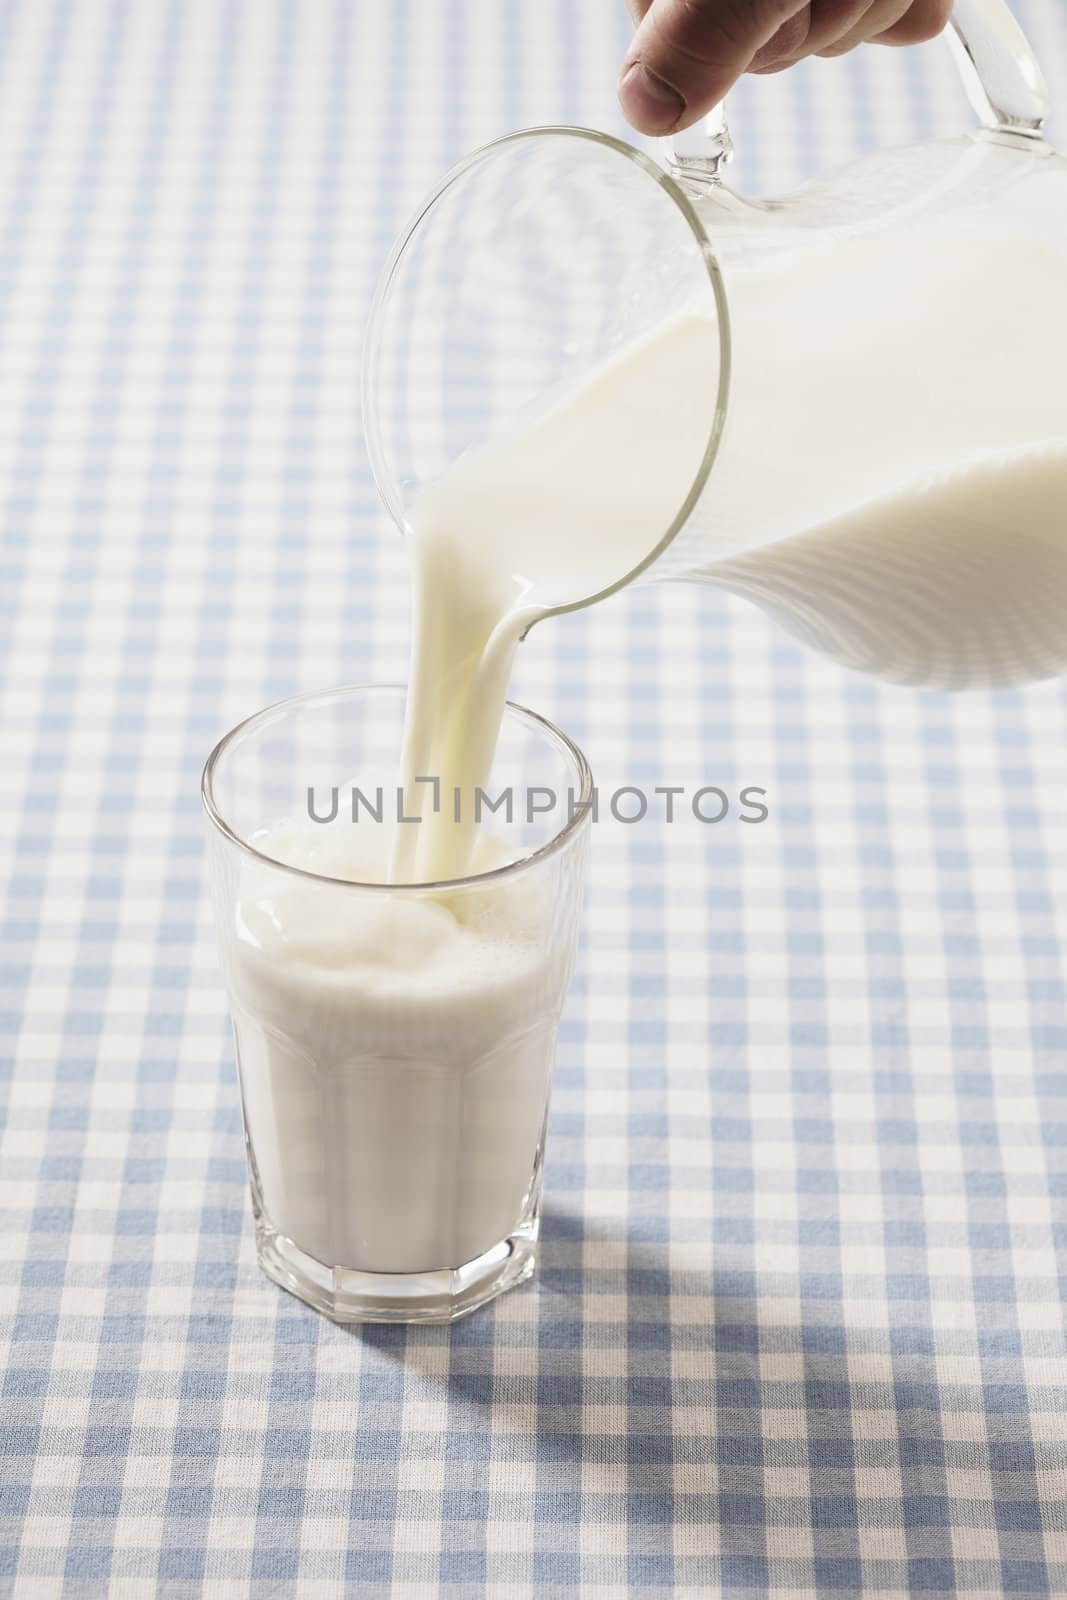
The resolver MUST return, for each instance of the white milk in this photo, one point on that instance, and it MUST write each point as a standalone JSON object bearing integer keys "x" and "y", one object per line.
{"x": 892, "y": 486}
{"x": 395, "y": 1051}
{"x": 539, "y": 519}
{"x": 396, "y": 1078}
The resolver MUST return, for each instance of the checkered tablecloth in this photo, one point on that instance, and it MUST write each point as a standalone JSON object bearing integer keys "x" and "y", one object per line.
{"x": 798, "y": 1329}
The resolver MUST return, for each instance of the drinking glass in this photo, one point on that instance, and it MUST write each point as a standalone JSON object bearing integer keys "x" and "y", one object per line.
{"x": 394, "y": 1042}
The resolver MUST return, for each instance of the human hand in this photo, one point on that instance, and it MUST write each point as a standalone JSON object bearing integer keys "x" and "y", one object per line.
{"x": 686, "y": 54}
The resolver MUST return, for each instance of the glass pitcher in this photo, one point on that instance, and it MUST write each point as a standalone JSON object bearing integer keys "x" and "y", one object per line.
{"x": 848, "y": 406}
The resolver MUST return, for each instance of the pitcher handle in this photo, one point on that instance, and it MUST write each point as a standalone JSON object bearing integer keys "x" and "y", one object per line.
{"x": 999, "y": 70}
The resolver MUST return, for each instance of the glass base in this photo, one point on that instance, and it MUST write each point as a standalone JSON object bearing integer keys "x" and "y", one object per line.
{"x": 345, "y": 1295}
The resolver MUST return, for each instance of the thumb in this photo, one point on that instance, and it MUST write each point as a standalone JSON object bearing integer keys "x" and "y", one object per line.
{"x": 686, "y": 54}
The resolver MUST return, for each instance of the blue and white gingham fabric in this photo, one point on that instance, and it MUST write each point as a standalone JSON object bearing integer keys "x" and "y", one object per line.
{"x": 799, "y": 1325}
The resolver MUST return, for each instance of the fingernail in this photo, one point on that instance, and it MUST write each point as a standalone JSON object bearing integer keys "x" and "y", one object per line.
{"x": 649, "y": 103}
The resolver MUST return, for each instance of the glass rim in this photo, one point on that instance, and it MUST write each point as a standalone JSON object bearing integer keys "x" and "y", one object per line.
{"x": 580, "y": 815}
{"x": 384, "y": 479}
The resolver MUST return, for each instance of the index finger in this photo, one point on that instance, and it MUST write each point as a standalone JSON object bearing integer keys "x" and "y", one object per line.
{"x": 686, "y": 54}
